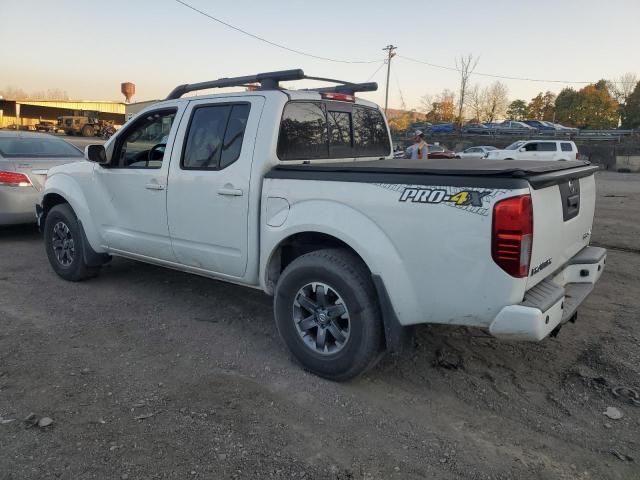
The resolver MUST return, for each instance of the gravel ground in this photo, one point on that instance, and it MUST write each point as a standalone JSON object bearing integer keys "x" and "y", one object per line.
{"x": 149, "y": 373}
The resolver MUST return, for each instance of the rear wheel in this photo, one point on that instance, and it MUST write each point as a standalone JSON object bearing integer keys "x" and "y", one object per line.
{"x": 64, "y": 244}
{"x": 327, "y": 313}
{"x": 88, "y": 131}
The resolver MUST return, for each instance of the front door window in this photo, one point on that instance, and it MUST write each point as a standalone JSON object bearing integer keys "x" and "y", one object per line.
{"x": 144, "y": 144}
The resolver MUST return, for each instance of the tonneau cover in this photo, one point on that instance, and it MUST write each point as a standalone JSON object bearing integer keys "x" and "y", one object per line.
{"x": 510, "y": 168}
{"x": 507, "y": 173}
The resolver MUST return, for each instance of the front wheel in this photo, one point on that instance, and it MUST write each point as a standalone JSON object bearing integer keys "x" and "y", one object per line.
{"x": 327, "y": 313}
{"x": 64, "y": 244}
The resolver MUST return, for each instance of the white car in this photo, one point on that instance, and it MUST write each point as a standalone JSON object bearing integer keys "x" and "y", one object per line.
{"x": 296, "y": 193}
{"x": 475, "y": 152}
{"x": 551, "y": 150}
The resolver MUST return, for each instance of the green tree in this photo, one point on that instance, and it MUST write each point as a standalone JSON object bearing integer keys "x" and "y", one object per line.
{"x": 631, "y": 110}
{"x": 542, "y": 106}
{"x": 566, "y": 106}
{"x": 597, "y": 109}
{"x": 518, "y": 110}
{"x": 590, "y": 107}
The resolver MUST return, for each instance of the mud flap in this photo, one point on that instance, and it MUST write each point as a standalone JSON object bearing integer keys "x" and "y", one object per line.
{"x": 398, "y": 338}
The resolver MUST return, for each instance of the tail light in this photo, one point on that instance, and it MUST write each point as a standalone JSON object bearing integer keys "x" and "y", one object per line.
{"x": 577, "y": 155}
{"x": 513, "y": 235}
{"x": 14, "y": 179}
{"x": 341, "y": 97}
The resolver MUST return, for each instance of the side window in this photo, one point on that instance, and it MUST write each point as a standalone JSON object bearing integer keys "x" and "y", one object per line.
{"x": 566, "y": 147}
{"x": 143, "y": 145}
{"x": 547, "y": 147}
{"x": 303, "y": 132}
{"x": 233, "y": 137}
{"x": 370, "y": 134}
{"x": 531, "y": 147}
{"x": 203, "y": 148}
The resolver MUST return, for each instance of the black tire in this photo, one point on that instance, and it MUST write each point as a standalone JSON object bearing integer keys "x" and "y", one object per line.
{"x": 88, "y": 131}
{"x": 65, "y": 245}
{"x": 349, "y": 280}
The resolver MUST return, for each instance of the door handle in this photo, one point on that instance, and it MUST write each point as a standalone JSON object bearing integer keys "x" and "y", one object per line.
{"x": 154, "y": 186}
{"x": 234, "y": 192}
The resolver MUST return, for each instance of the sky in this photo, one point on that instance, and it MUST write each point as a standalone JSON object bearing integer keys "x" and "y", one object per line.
{"x": 89, "y": 47}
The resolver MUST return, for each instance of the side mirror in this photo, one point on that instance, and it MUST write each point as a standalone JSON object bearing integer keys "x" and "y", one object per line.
{"x": 96, "y": 153}
{"x": 522, "y": 149}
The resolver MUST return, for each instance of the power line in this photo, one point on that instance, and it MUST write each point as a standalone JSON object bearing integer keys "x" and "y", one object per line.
{"x": 374, "y": 73}
{"x": 504, "y": 77}
{"x": 274, "y": 44}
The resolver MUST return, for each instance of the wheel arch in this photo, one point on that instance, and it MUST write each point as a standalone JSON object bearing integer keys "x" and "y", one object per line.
{"x": 62, "y": 188}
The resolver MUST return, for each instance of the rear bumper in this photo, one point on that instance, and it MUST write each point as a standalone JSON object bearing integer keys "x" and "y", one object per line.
{"x": 553, "y": 301}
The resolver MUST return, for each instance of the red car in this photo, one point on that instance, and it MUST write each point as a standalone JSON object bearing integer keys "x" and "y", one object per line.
{"x": 437, "y": 151}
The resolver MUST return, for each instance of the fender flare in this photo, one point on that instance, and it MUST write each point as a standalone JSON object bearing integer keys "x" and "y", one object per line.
{"x": 70, "y": 191}
{"x": 356, "y": 230}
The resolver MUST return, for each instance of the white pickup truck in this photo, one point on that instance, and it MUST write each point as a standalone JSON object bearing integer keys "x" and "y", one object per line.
{"x": 296, "y": 192}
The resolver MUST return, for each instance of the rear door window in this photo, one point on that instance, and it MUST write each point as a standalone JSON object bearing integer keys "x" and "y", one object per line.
{"x": 215, "y": 135}
{"x": 566, "y": 147}
{"x": 547, "y": 147}
{"x": 331, "y": 130}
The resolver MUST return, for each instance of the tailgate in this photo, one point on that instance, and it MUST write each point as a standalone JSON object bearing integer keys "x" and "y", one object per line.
{"x": 563, "y": 209}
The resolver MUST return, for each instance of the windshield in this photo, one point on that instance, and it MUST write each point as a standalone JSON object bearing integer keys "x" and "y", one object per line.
{"x": 514, "y": 146}
{"x": 20, "y": 146}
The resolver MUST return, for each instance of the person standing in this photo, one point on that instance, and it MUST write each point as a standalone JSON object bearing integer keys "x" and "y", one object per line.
{"x": 419, "y": 150}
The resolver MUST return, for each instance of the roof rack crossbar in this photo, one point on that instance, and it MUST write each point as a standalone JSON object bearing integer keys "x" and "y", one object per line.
{"x": 348, "y": 89}
{"x": 271, "y": 81}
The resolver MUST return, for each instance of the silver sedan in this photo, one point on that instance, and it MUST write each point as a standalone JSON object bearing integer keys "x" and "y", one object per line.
{"x": 475, "y": 152}
{"x": 25, "y": 159}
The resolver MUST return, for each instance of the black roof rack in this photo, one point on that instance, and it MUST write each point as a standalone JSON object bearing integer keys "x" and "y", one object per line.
{"x": 271, "y": 81}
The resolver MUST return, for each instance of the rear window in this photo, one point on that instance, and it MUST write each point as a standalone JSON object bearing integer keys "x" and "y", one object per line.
{"x": 331, "y": 130}
{"x": 566, "y": 147}
{"x": 20, "y": 147}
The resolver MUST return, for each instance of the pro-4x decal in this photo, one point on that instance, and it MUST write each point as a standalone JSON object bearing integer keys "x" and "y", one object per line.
{"x": 470, "y": 200}
{"x": 428, "y": 195}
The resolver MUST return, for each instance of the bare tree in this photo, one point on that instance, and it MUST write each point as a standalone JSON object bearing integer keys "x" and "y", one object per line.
{"x": 13, "y": 93}
{"x": 465, "y": 65}
{"x": 476, "y": 102}
{"x": 497, "y": 100}
{"x": 621, "y": 87}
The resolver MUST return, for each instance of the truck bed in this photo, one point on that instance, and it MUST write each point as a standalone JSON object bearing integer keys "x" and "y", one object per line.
{"x": 489, "y": 173}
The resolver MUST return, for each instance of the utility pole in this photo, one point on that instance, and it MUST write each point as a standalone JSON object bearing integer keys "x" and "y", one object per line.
{"x": 390, "y": 49}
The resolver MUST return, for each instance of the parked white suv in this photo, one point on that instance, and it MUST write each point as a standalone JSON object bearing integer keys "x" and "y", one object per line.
{"x": 296, "y": 192}
{"x": 536, "y": 150}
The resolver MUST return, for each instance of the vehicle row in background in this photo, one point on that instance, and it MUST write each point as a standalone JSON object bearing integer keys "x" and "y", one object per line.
{"x": 507, "y": 127}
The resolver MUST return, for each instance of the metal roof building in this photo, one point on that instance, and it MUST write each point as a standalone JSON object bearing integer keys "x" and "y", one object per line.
{"x": 29, "y": 112}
